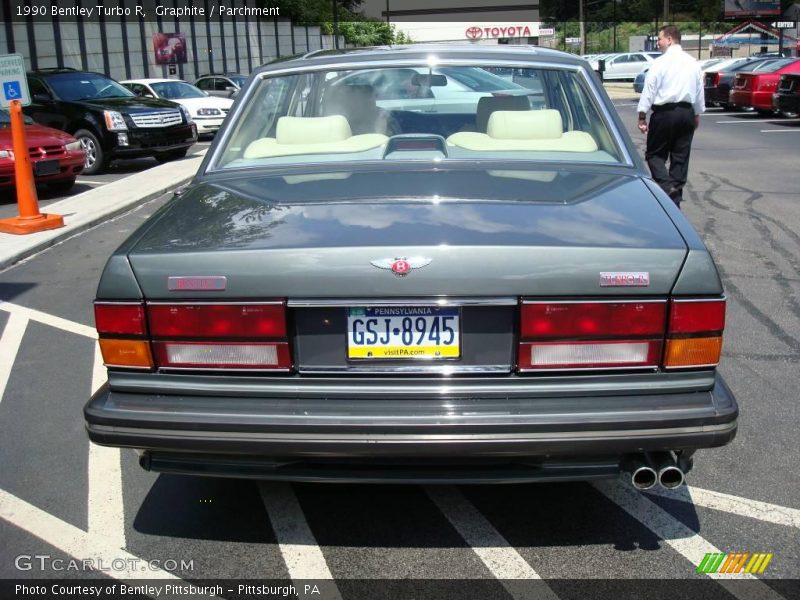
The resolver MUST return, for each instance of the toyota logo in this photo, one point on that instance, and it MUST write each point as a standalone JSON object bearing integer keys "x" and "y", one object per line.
{"x": 474, "y": 33}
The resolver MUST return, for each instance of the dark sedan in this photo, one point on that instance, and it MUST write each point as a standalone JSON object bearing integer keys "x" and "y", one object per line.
{"x": 718, "y": 83}
{"x": 787, "y": 99}
{"x": 494, "y": 295}
{"x": 754, "y": 90}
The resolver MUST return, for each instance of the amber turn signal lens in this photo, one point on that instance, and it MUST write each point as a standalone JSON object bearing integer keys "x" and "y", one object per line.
{"x": 693, "y": 352}
{"x": 126, "y": 353}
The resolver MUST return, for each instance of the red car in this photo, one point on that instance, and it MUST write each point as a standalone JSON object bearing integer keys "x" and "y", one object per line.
{"x": 57, "y": 157}
{"x": 755, "y": 89}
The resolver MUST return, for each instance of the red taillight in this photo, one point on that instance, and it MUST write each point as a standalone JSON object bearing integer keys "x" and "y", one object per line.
{"x": 687, "y": 333}
{"x": 591, "y": 335}
{"x": 246, "y": 321}
{"x": 716, "y": 79}
{"x": 696, "y": 316}
{"x": 694, "y": 337}
{"x": 549, "y": 320}
{"x": 122, "y": 330}
{"x": 186, "y": 335}
{"x": 119, "y": 318}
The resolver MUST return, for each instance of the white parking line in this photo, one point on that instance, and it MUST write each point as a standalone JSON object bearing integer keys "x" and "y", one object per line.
{"x": 91, "y": 182}
{"x": 763, "y": 511}
{"x": 775, "y": 120}
{"x": 48, "y": 319}
{"x": 303, "y": 557}
{"x": 681, "y": 539}
{"x": 502, "y": 560}
{"x": 76, "y": 542}
{"x": 9, "y": 346}
{"x": 780, "y": 130}
{"x": 106, "y": 512}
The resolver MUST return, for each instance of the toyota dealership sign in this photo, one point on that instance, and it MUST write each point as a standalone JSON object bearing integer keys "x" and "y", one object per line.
{"x": 480, "y": 32}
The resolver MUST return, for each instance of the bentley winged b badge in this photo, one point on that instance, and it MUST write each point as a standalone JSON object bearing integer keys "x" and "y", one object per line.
{"x": 401, "y": 266}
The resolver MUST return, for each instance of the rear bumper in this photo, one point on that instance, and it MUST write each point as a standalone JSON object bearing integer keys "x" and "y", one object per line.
{"x": 741, "y": 98}
{"x": 786, "y": 102}
{"x": 259, "y": 436}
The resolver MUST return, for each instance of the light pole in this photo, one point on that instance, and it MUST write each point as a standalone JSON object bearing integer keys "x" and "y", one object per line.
{"x": 615, "y": 25}
{"x": 335, "y": 25}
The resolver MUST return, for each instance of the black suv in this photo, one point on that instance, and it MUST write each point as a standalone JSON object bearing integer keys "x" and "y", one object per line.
{"x": 109, "y": 120}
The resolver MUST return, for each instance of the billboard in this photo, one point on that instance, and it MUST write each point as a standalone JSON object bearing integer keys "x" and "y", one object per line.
{"x": 751, "y": 8}
{"x": 170, "y": 48}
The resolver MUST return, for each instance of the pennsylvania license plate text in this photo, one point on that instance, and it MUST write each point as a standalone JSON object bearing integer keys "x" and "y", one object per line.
{"x": 403, "y": 332}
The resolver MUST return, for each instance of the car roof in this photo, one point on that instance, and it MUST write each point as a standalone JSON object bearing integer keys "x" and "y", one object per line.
{"x": 63, "y": 71}
{"x": 421, "y": 53}
{"x": 149, "y": 81}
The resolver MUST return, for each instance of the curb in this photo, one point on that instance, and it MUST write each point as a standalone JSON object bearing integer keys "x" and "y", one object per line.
{"x": 15, "y": 248}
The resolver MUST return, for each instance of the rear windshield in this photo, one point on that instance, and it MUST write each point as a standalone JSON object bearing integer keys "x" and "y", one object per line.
{"x": 176, "y": 90}
{"x": 420, "y": 113}
{"x": 776, "y": 65}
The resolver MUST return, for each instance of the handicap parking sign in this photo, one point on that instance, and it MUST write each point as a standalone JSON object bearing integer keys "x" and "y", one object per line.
{"x": 12, "y": 90}
{"x": 13, "y": 80}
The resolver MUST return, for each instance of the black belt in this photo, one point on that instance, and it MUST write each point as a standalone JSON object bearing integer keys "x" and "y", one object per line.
{"x": 671, "y": 105}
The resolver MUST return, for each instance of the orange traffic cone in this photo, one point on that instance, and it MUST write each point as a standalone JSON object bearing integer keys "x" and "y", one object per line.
{"x": 30, "y": 220}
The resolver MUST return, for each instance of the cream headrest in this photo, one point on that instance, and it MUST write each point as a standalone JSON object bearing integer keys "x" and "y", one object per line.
{"x": 312, "y": 130}
{"x": 525, "y": 125}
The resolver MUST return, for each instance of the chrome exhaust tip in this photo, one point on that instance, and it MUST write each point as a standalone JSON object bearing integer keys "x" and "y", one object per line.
{"x": 643, "y": 478}
{"x": 670, "y": 477}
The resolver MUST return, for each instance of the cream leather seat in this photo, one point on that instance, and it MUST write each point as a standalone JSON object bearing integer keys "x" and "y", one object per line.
{"x": 491, "y": 104}
{"x": 531, "y": 130}
{"x": 313, "y": 135}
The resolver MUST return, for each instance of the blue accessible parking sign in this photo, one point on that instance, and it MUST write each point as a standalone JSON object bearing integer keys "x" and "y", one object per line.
{"x": 12, "y": 90}
{"x": 13, "y": 80}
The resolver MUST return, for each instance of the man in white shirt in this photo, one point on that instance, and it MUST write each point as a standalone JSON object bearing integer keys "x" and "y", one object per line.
{"x": 673, "y": 89}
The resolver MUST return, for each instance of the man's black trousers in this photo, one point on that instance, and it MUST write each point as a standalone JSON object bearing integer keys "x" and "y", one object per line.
{"x": 669, "y": 137}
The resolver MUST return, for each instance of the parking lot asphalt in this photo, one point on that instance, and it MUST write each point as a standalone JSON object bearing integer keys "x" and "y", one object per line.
{"x": 62, "y": 497}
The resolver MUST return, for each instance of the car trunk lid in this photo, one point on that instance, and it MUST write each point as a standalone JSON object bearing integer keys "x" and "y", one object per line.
{"x": 481, "y": 233}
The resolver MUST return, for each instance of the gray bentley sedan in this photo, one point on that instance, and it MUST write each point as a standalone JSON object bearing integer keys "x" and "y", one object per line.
{"x": 381, "y": 274}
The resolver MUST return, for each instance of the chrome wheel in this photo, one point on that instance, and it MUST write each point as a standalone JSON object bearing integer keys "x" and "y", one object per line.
{"x": 96, "y": 159}
{"x": 91, "y": 151}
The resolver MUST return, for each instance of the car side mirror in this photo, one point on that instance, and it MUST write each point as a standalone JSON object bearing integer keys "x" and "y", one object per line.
{"x": 230, "y": 88}
{"x": 42, "y": 98}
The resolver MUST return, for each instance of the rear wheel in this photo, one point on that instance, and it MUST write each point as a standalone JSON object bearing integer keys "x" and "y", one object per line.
{"x": 788, "y": 114}
{"x": 64, "y": 185}
{"x": 96, "y": 160}
{"x": 163, "y": 157}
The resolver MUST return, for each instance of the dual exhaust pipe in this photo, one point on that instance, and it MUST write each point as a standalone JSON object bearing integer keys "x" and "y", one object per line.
{"x": 647, "y": 470}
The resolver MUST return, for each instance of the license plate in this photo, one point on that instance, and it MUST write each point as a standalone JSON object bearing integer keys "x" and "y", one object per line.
{"x": 46, "y": 167}
{"x": 389, "y": 332}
